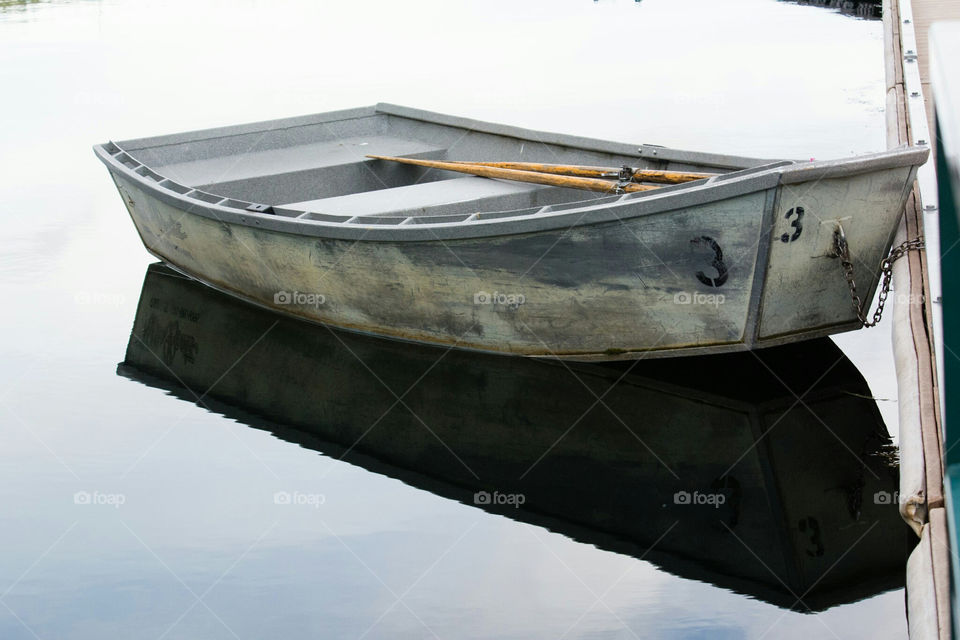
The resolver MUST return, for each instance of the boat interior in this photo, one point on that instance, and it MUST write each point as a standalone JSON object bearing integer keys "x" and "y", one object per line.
{"x": 315, "y": 167}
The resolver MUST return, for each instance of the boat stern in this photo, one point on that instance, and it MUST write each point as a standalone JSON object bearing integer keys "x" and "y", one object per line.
{"x": 805, "y": 290}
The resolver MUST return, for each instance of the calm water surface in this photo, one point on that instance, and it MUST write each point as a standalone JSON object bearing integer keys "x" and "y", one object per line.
{"x": 206, "y": 488}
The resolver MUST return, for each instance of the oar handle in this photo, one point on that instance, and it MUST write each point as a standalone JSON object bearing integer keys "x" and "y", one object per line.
{"x": 587, "y": 171}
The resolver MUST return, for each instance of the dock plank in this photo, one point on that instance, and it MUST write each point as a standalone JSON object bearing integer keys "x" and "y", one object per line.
{"x": 925, "y": 13}
{"x": 922, "y": 488}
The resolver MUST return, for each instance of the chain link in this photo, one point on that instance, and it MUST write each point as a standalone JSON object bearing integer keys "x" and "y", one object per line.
{"x": 886, "y": 270}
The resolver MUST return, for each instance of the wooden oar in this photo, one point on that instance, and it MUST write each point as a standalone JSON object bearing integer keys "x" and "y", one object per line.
{"x": 638, "y": 175}
{"x": 590, "y": 184}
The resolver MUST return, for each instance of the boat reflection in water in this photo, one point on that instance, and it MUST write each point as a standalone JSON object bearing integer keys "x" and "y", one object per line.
{"x": 708, "y": 467}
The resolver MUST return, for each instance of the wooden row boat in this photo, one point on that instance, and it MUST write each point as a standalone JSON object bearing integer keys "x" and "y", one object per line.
{"x": 808, "y": 508}
{"x": 290, "y": 214}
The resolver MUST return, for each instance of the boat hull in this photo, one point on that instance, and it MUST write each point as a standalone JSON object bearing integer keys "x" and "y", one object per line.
{"x": 736, "y": 262}
{"x": 624, "y": 289}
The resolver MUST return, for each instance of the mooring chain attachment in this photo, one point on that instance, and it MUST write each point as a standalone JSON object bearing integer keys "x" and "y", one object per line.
{"x": 886, "y": 269}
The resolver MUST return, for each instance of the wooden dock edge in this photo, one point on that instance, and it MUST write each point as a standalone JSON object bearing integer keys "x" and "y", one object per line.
{"x": 921, "y": 473}
{"x": 928, "y": 581}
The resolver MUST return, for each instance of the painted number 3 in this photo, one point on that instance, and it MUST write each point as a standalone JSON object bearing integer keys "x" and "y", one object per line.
{"x": 717, "y": 262}
{"x": 797, "y": 214}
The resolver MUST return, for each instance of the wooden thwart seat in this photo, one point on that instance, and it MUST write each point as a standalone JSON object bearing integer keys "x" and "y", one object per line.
{"x": 458, "y": 195}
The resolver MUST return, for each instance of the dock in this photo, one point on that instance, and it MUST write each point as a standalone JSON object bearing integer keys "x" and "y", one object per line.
{"x": 917, "y": 323}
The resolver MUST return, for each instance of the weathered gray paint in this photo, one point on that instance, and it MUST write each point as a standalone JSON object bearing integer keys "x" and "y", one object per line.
{"x": 805, "y": 287}
{"x": 601, "y": 277}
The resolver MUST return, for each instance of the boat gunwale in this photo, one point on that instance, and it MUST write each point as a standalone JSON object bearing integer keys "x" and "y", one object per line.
{"x": 601, "y": 210}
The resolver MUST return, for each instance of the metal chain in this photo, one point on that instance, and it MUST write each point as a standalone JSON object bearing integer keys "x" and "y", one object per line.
{"x": 886, "y": 269}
